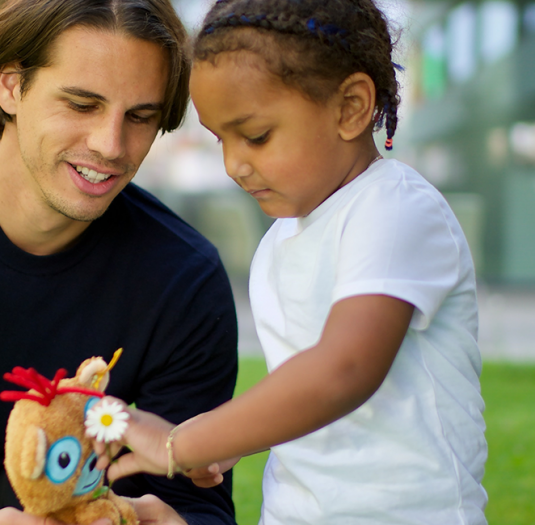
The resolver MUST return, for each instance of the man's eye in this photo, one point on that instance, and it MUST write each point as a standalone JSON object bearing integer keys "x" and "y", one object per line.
{"x": 262, "y": 139}
{"x": 82, "y": 108}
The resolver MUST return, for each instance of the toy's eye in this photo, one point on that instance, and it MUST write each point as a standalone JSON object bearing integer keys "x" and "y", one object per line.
{"x": 89, "y": 477}
{"x": 90, "y": 403}
{"x": 62, "y": 459}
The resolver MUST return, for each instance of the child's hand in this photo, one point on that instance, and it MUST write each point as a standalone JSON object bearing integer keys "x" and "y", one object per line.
{"x": 211, "y": 476}
{"x": 146, "y": 436}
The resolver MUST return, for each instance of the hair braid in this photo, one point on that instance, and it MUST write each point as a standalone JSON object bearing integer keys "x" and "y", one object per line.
{"x": 310, "y": 44}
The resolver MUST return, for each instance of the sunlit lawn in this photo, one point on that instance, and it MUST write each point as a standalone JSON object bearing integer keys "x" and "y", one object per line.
{"x": 248, "y": 472}
{"x": 509, "y": 392}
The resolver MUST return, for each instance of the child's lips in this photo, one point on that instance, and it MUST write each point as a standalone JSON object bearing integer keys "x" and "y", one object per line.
{"x": 257, "y": 192}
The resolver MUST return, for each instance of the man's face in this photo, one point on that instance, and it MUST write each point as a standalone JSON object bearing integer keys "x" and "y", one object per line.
{"x": 88, "y": 120}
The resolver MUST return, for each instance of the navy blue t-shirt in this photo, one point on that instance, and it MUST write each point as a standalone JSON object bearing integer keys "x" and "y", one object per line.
{"x": 142, "y": 279}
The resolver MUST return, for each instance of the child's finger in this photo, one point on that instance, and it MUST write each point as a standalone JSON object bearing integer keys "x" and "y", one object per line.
{"x": 205, "y": 477}
{"x": 106, "y": 449}
{"x": 203, "y": 472}
{"x": 105, "y": 452}
{"x": 208, "y": 482}
{"x": 126, "y": 465}
{"x": 211, "y": 476}
{"x": 98, "y": 446}
{"x": 102, "y": 462}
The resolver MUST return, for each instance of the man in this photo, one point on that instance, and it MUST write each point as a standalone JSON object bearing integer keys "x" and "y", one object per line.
{"x": 89, "y": 262}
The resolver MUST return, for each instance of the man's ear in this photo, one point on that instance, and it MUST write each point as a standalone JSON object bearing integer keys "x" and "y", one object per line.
{"x": 357, "y": 105}
{"x": 9, "y": 89}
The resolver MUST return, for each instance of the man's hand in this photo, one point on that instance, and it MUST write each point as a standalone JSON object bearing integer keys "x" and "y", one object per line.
{"x": 11, "y": 516}
{"x": 150, "y": 510}
{"x": 153, "y": 511}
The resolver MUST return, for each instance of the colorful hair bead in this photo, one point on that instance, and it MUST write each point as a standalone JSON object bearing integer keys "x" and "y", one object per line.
{"x": 388, "y": 144}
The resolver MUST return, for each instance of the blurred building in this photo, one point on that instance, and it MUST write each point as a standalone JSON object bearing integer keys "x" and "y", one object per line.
{"x": 467, "y": 124}
{"x": 185, "y": 170}
{"x": 471, "y": 125}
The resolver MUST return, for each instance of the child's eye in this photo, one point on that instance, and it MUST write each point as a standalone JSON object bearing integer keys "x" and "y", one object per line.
{"x": 139, "y": 119}
{"x": 262, "y": 139}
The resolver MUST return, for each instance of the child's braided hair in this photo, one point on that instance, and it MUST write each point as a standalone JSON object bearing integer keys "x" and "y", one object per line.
{"x": 313, "y": 45}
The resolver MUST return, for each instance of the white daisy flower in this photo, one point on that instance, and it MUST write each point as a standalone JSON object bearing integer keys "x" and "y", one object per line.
{"x": 106, "y": 422}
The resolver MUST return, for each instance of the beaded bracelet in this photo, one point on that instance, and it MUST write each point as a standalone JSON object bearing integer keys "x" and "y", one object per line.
{"x": 172, "y": 467}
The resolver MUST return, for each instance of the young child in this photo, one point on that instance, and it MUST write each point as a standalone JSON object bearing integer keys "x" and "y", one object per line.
{"x": 363, "y": 291}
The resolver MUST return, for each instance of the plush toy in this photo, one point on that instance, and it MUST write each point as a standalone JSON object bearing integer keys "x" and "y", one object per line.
{"x": 48, "y": 458}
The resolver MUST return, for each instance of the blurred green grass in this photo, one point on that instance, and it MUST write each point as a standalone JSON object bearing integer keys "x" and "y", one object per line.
{"x": 509, "y": 393}
{"x": 248, "y": 472}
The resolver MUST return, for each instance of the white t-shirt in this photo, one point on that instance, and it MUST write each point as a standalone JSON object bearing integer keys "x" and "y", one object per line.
{"x": 414, "y": 453}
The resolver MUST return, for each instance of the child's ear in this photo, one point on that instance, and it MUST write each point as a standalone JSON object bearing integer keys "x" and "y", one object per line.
{"x": 9, "y": 89}
{"x": 356, "y": 105}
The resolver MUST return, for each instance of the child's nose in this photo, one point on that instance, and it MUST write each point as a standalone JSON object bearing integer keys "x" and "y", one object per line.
{"x": 236, "y": 166}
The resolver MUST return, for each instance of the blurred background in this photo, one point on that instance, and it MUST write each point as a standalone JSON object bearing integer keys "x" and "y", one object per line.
{"x": 467, "y": 124}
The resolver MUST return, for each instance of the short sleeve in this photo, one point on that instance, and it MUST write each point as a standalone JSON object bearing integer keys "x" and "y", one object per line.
{"x": 397, "y": 240}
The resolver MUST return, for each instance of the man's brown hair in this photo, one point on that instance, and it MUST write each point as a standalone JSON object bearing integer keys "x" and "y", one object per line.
{"x": 28, "y": 29}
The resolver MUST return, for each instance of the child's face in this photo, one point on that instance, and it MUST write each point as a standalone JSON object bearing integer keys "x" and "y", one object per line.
{"x": 278, "y": 146}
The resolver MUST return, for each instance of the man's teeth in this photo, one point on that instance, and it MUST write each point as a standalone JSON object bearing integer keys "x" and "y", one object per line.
{"x": 91, "y": 175}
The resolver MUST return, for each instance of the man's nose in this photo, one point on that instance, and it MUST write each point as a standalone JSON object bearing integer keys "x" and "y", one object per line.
{"x": 107, "y": 137}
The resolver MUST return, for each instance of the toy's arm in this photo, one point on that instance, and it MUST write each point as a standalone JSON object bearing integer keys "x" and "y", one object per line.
{"x": 150, "y": 511}
{"x": 12, "y": 516}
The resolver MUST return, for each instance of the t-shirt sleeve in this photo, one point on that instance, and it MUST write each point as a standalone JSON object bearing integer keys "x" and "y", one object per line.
{"x": 397, "y": 240}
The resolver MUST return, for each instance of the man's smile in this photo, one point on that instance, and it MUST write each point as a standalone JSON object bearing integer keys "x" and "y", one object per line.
{"x": 91, "y": 175}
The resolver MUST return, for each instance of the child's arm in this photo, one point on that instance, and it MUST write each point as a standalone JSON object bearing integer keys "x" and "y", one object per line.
{"x": 316, "y": 387}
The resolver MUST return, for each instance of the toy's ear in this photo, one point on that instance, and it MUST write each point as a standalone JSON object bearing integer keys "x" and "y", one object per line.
{"x": 33, "y": 457}
{"x": 93, "y": 373}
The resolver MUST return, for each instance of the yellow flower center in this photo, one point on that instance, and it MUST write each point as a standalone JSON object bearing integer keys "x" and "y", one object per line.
{"x": 106, "y": 420}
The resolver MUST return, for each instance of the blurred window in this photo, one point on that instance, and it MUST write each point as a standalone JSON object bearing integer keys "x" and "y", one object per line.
{"x": 529, "y": 18}
{"x": 461, "y": 42}
{"x": 499, "y": 30}
{"x": 522, "y": 137}
{"x": 434, "y": 62}
{"x": 192, "y": 12}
